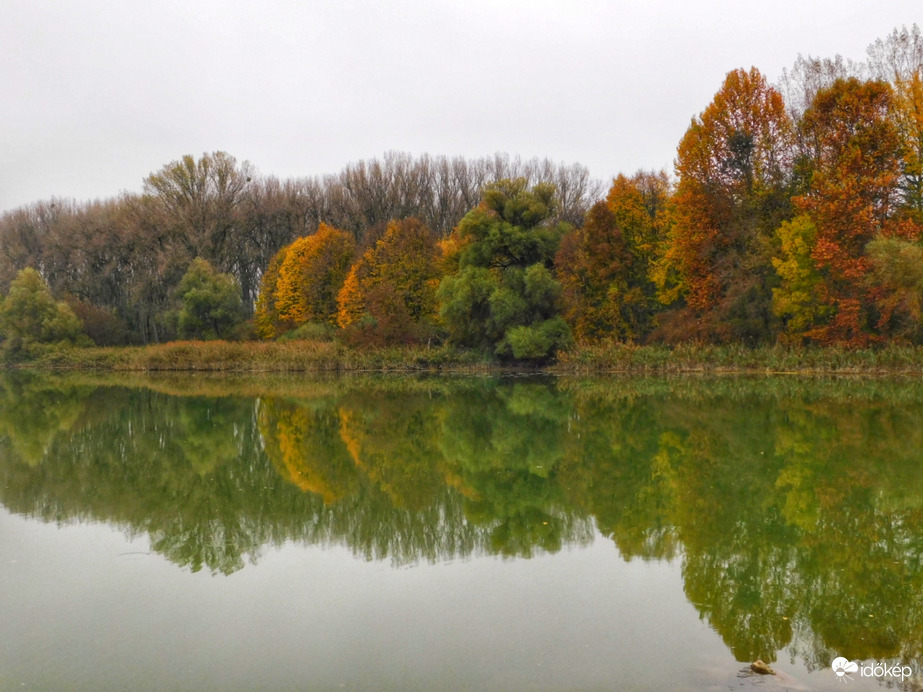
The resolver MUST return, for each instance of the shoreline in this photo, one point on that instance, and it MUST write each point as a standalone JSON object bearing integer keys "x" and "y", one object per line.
{"x": 606, "y": 359}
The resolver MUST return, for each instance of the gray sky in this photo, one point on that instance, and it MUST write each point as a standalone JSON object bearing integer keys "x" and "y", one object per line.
{"x": 98, "y": 94}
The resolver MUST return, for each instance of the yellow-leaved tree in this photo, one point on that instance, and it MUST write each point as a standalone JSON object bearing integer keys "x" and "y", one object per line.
{"x": 389, "y": 295}
{"x": 302, "y": 281}
{"x": 265, "y": 316}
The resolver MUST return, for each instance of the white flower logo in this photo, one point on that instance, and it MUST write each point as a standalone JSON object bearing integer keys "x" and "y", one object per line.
{"x": 843, "y": 667}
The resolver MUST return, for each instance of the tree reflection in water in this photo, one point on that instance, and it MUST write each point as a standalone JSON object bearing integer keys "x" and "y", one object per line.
{"x": 796, "y": 507}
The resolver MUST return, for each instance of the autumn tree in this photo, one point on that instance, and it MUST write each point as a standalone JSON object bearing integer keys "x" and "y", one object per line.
{"x": 503, "y": 296}
{"x": 266, "y": 316}
{"x": 863, "y": 197}
{"x": 271, "y": 214}
{"x": 800, "y": 299}
{"x": 199, "y": 196}
{"x": 896, "y": 279}
{"x": 800, "y": 84}
{"x": 604, "y": 266}
{"x": 592, "y": 267}
{"x": 733, "y": 166}
{"x": 850, "y": 201}
{"x": 390, "y": 293}
{"x": 311, "y": 271}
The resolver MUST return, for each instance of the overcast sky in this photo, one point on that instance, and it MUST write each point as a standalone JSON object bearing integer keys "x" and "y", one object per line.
{"x": 99, "y": 94}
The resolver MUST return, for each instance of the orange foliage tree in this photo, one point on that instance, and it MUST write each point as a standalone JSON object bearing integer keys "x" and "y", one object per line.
{"x": 733, "y": 165}
{"x": 851, "y": 199}
{"x": 389, "y": 295}
{"x": 302, "y": 281}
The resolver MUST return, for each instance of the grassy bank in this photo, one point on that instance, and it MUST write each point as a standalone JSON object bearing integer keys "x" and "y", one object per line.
{"x": 695, "y": 358}
{"x": 262, "y": 356}
{"x": 332, "y": 357}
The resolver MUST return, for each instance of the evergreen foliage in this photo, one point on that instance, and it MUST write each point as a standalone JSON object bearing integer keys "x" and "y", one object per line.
{"x": 504, "y": 297}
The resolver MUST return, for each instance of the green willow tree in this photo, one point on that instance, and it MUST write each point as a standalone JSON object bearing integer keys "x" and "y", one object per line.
{"x": 503, "y": 296}
{"x": 30, "y": 317}
{"x": 210, "y": 302}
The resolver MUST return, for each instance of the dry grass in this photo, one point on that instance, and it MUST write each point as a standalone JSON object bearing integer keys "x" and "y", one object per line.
{"x": 260, "y": 356}
{"x": 697, "y": 358}
{"x": 332, "y": 357}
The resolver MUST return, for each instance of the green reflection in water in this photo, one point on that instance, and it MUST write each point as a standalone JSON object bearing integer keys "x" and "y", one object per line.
{"x": 796, "y": 507}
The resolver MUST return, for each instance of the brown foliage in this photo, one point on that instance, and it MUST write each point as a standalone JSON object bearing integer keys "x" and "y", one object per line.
{"x": 101, "y": 325}
{"x": 593, "y": 268}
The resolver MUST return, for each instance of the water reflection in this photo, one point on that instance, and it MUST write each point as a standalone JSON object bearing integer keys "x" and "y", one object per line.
{"x": 795, "y": 507}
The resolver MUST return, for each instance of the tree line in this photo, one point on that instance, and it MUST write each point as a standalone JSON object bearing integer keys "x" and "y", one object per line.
{"x": 117, "y": 263}
{"x": 795, "y": 215}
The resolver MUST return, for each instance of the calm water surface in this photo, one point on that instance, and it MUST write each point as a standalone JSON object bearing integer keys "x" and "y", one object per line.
{"x": 390, "y": 533}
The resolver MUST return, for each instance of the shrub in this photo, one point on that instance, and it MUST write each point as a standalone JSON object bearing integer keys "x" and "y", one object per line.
{"x": 30, "y": 317}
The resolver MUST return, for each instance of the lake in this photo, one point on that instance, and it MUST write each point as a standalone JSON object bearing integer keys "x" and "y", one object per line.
{"x": 459, "y": 533}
